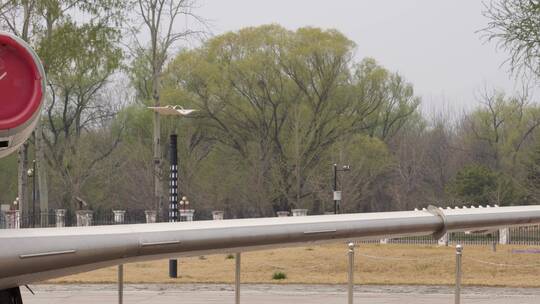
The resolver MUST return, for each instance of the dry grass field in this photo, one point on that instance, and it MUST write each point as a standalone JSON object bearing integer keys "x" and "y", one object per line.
{"x": 386, "y": 264}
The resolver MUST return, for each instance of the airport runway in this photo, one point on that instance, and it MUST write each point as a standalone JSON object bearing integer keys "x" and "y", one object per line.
{"x": 272, "y": 294}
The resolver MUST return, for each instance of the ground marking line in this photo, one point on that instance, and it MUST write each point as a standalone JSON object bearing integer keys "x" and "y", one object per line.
{"x": 3, "y": 75}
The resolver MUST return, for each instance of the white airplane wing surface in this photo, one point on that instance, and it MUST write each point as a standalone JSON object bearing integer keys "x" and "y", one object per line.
{"x": 32, "y": 255}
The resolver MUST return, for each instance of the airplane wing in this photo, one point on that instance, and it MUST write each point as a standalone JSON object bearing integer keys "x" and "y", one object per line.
{"x": 32, "y": 255}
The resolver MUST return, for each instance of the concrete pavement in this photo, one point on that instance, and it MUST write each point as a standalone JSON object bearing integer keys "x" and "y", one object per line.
{"x": 272, "y": 294}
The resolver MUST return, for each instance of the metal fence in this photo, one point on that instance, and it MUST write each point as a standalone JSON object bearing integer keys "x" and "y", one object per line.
{"x": 68, "y": 218}
{"x": 527, "y": 235}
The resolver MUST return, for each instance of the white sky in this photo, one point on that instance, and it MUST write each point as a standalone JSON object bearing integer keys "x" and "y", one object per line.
{"x": 433, "y": 43}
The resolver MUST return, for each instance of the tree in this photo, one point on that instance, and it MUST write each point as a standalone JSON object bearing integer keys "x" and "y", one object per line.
{"x": 393, "y": 99}
{"x": 474, "y": 184}
{"x": 501, "y": 128}
{"x": 81, "y": 60}
{"x": 280, "y": 102}
{"x": 515, "y": 25}
{"x": 532, "y": 172}
{"x": 34, "y": 21}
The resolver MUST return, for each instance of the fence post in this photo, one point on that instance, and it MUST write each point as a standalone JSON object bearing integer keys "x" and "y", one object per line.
{"x": 186, "y": 215}
{"x": 282, "y": 213}
{"x": 217, "y": 215}
{"x": 84, "y": 217}
{"x": 504, "y": 236}
{"x": 237, "y": 260}
{"x": 119, "y": 218}
{"x": 120, "y": 284}
{"x": 299, "y": 212}
{"x": 150, "y": 216}
{"x": 60, "y": 217}
{"x": 13, "y": 219}
{"x": 350, "y": 286}
{"x": 459, "y": 253}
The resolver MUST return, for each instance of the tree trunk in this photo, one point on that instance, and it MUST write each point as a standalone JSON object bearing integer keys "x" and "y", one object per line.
{"x": 41, "y": 168}
{"x": 22, "y": 182}
{"x": 157, "y": 149}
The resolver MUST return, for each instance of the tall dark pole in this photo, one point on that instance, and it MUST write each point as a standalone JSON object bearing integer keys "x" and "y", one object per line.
{"x": 336, "y": 193}
{"x": 34, "y": 194}
{"x": 173, "y": 196}
{"x": 335, "y": 189}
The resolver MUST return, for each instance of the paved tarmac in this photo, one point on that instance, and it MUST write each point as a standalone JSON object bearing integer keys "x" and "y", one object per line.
{"x": 272, "y": 294}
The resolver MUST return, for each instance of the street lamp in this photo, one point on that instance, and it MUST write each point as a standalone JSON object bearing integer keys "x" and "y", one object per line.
{"x": 173, "y": 176}
{"x": 173, "y": 202}
{"x": 31, "y": 173}
{"x": 184, "y": 203}
{"x": 337, "y": 194}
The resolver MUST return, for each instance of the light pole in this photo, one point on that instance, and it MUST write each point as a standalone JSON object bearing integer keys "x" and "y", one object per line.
{"x": 173, "y": 176}
{"x": 166, "y": 111}
{"x": 184, "y": 203}
{"x": 337, "y": 194}
{"x": 32, "y": 173}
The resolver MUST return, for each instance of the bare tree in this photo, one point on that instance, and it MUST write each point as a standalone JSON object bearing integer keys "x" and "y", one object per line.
{"x": 515, "y": 25}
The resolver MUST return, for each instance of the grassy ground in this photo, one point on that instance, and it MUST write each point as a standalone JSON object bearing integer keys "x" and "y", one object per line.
{"x": 386, "y": 264}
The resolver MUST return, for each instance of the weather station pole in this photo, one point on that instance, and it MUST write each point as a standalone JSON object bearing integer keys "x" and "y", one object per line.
{"x": 173, "y": 196}
{"x": 336, "y": 193}
{"x": 336, "y": 196}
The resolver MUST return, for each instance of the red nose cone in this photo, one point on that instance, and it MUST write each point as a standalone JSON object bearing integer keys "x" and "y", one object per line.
{"x": 20, "y": 83}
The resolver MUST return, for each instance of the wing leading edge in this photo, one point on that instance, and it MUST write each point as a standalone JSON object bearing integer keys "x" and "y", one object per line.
{"x": 32, "y": 255}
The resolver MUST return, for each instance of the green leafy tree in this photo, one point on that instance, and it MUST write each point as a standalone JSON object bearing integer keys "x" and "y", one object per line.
{"x": 532, "y": 171}
{"x": 391, "y": 98}
{"x": 36, "y": 21}
{"x": 281, "y": 102}
{"x": 500, "y": 129}
{"x": 474, "y": 184}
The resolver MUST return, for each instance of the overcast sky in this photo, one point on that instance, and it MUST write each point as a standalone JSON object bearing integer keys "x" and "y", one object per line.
{"x": 433, "y": 43}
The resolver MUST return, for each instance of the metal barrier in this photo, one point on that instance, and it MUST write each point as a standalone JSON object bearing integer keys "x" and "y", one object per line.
{"x": 119, "y": 218}
{"x": 237, "y": 278}
{"x": 457, "y": 294}
{"x": 350, "y": 277}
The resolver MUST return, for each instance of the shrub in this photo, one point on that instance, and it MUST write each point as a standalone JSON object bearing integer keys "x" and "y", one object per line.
{"x": 278, "y": 275}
